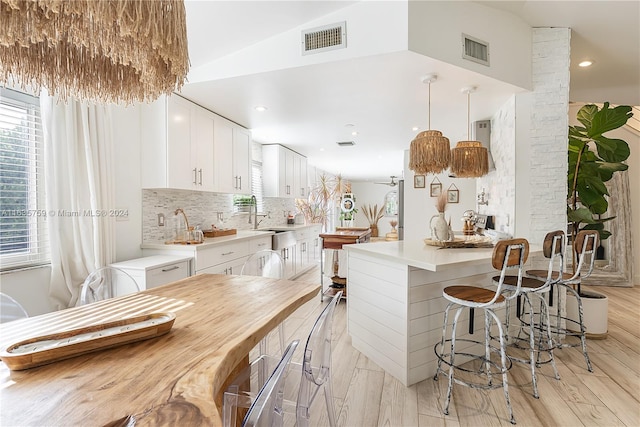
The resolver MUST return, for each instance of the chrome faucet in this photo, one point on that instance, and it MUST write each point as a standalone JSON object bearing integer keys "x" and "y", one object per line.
{"x": 253, "y": 209}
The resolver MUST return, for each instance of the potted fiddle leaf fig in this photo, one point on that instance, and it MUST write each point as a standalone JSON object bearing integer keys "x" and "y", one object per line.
{"x": 593, "y": 160}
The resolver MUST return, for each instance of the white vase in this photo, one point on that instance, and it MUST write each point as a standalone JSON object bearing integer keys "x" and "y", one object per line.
{"x": 440, "y": 230}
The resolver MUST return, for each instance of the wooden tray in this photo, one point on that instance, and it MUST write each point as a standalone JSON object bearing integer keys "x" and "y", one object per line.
{"x": 462, "y": 242}
{"x": 219, "y": 233}
{"x": 54, "y": 347}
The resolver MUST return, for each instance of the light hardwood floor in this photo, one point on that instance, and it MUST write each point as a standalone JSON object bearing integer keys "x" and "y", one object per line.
{"x": 610, "y": 396}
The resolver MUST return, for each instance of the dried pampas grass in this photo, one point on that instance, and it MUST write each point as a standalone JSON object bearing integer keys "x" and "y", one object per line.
{"x": 441, "y": 202}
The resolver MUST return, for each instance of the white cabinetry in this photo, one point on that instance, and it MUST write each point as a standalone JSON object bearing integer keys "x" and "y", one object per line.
{"x": 284, "y": 172}
{"x": 177, "y": 145}
{"x": 188, "y": 147}
{"x": 225, "y": 257}
{"x": 233, "y": 159}
{"x": 307, "y": 248}
{"x": 152, "y": 271}
{"x": 288, "y": 255}
{"x": 242, "y": 160}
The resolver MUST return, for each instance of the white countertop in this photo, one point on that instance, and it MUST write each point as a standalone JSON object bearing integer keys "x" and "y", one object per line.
{"x": 292, "y": 227}
{"x": 150, "y": 262}
{"x": 210, "y": 241}
{"x": 416, "y": 253}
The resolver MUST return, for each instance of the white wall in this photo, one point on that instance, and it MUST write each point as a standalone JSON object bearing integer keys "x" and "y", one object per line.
{"x": 368, "y": 193}
{"x": 500, "y": 184}
{"x": 373, "y": 27}
{"x": 127, "y": 158}
{"x": 436, "y": 27}
{"x": 420, "y": 206}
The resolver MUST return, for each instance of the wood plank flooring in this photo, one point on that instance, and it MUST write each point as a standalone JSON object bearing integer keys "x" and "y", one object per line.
{"x": 365, "y": 395}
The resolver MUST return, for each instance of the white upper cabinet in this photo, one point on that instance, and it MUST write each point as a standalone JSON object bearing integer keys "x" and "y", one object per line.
{"x": 242, "y": 160}
{"x": 233, "y": 157}
{"x": 284, "y": 172}
{"x": 177, "y": 145}
{"x": 185, "y": 146}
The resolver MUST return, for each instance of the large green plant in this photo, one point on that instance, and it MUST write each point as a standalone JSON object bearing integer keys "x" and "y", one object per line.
{"x": 593, "y": 159}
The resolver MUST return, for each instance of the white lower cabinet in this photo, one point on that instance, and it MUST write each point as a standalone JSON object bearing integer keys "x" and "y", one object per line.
{"x": 229, "y": 267}
{"x": 288, "y": 255}
{"x": 152, "y": 271}
{"x": 220, "y": 258}
{"x": 307, "y": 248}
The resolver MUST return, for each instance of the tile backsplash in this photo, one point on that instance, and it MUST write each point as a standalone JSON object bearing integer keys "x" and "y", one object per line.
{"x": 201, "y": 209}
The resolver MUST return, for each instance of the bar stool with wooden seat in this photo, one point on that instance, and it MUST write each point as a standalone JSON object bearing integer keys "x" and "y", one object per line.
{"x": 507, "y": 254}
{"x": 553, "y": 249}
{"x": 584, "y": 249}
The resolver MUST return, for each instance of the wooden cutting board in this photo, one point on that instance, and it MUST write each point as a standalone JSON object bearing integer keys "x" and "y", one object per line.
{"x": 220, "y": 232}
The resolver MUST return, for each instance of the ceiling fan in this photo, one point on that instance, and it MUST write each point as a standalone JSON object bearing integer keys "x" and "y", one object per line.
{"x": 393, "y": 182}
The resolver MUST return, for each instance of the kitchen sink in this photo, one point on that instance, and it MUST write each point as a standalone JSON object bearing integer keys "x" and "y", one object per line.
{"x": 282, "y": 239}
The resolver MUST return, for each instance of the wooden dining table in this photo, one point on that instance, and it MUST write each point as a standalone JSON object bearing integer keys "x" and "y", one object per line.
{"x": 175, "y": 379}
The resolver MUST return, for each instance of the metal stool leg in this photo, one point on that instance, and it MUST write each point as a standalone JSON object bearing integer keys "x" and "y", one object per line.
{"x": 453, "y": 353}
{"x": 532, "y": 347}
{"x": 583, "y": 333}
{"x": 546, "y": 328}
{"x": 443, "y": 340}
{"x": 505, "y": 366}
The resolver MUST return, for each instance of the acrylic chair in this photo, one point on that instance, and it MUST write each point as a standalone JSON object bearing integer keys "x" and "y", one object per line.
{"x": 105, "y": 283}
{"x": 266, "y": 408}
{"x": 584, "y": 249}
{"x": 10, "y": 309}
{"x": 315, "y": 377}
{"x": 266, "y": 263}
{"x": 538, "y": 321}
{"x": 507, "y": 255}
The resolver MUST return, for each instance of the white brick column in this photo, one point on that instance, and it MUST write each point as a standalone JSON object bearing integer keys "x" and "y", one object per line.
{"x": 549, "y": 131}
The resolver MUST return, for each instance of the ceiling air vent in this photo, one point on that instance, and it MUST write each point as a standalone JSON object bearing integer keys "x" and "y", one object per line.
{"x": 321, "y": 39}
{"x": 345, "y": 143}
{"x": 475, "y": 50}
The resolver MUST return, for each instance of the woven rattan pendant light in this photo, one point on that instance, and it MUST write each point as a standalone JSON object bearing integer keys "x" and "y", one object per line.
{"x": 430, "y": 152}
{"x": 469, "y": 159}
{"x": 106, "y": 51}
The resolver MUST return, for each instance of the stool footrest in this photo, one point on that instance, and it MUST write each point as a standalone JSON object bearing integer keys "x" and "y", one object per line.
{"x": 472, "y": 359}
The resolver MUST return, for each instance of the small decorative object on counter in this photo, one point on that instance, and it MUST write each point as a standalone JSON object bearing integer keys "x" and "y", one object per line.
{"x": 469, "y": 221}
{"x": 291, "y": 219}
{"x": 393, "y": 234}
{"x": 373, "y": 215}
{"x": 440, "y": 229}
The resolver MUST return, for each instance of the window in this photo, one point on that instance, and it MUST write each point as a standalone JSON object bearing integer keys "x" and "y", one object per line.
{"x": 24, "y": 240}
{"x": 256, "y": 184}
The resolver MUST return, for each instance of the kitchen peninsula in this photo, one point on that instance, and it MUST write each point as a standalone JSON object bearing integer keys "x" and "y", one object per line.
{"x": 396, "y": 309}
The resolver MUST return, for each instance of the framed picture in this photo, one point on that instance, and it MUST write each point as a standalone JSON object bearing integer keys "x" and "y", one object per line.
{"x": 436, "y": 189}
{"x": 419, "y": 181}
{"x": 453, "y": 195}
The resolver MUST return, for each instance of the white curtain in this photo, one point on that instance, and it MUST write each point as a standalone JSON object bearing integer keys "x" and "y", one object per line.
{"x": 79, "y": 193}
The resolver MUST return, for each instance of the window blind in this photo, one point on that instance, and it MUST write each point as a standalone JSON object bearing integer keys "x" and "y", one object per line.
{"x": 24, "y": 240}
{"x": 256, "y": 184}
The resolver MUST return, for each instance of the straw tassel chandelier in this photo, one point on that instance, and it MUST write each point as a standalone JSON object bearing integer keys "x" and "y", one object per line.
{"x": 469, "y": 159}
{"x": 105, "y": 51}
{"x": 430, "y": 152}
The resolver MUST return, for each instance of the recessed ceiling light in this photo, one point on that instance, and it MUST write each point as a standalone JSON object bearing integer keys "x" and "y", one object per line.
{"x": 260, "y": 108}
{"x": 586, "y": 63}
{"x": 322, "y": 149}
{"x": 415, "y": 128}
{"x": 354, "y": 133}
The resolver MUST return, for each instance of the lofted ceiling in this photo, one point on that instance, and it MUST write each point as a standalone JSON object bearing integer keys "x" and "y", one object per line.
{"x": 381, "y": 97}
